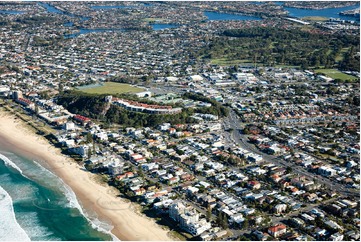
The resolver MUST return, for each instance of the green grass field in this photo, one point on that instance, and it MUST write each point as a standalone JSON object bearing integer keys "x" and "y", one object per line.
{"x": 113, "y": 88}
{"x": 335, "y": 74}
{"x": 227, "y": 62}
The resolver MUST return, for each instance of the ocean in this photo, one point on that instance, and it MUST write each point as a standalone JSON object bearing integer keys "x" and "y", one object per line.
{"x": 37, "y": 205}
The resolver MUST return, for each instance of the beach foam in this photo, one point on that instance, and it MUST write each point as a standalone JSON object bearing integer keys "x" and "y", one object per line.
{"x": 74, "y": 203}
{"x": 31, "y": 224}
{"x": 94, "y": 222}
{"x": 8, "y": 162}
{"x": 10, "y": 230}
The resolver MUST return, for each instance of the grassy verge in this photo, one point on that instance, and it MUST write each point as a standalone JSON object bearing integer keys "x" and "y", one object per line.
{"x": 175, "y": 234}
{"x": 38, "y": 126}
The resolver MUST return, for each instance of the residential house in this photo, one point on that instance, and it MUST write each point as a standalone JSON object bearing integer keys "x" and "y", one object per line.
{"x": 254, "y": 185}
{"x": 280, "y": 208}
{"x": 277, "y": 230}
{"x": 336, "y": 237}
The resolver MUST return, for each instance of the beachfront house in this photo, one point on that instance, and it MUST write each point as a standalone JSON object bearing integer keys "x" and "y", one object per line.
{"x": 188, "y": 218}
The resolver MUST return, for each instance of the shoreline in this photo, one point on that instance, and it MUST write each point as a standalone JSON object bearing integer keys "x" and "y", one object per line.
{"x": 94, "y": 197}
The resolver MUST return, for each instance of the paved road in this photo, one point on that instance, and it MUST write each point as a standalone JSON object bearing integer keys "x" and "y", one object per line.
{"x": 233, "y": 122}
{"x": 309, "y": 207}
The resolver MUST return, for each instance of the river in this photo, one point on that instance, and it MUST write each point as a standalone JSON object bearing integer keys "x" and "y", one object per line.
{"x": 10, "y": 12}
{"x": 328, "y": 12}
{"x": 227, "y": 16}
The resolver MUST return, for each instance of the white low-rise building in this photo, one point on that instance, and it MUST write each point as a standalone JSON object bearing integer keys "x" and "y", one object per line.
{"x": 188, "y": 218}
{"x": 326, "y": 171}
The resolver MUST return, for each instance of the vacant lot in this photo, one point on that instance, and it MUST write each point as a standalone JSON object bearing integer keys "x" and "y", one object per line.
{"x": 335, "y": 74}
{"x": 113, "y": 88}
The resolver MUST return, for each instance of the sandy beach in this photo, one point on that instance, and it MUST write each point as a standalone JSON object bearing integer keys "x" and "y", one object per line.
{"x": 102, "y": 199}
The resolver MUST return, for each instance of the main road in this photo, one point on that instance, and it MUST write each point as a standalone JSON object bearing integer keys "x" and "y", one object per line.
{"x": 232, "y": 121}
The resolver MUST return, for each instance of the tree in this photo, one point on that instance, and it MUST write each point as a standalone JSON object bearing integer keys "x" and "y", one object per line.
{"x": 243, "y": 238}
{"x": 219, "y": 218}
{"x": 129, "y": 193}
{"x": 224, "y": 223}
{"x": 61, "y": 87}
{"x": 158, "y": 185}
{"x": 89, "y": 153}
{"x": 193, "y": 157}
{"x": 222, "y": 220}
{"x": 140, "y": 172}
{"x": 36, "y": 109}
{"x": 289, "y": 169}
{"x": 180, "y": 152}
{"x": 209, "y": 213}
{"x": 89, "y": 137}
{"x": 202, "y": 189}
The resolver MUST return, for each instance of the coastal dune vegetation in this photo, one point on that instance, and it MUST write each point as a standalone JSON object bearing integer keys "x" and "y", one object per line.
{"x": 95, "y": 107}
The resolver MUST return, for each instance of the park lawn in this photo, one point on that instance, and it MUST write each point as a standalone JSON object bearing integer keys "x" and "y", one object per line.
{"x": 340, "y": 56}
{"x": 113, "y": 88}
{"x": 335, "y": 74}
{"x": 314, "y": 18}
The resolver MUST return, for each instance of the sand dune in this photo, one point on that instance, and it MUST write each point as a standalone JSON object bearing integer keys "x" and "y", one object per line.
{"x": 94, "y": 197}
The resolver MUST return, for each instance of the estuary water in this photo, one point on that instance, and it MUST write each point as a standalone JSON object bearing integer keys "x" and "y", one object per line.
{"x": 163, "y": 26}
{"x": 36, "y": 205}
{"x": 11, "y": 12}
{"x": 227, "y": 16}
{"x": 328, "y": 12}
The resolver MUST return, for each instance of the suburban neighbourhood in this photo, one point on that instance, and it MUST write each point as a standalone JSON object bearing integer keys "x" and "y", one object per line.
{"x": 225, "y": 152}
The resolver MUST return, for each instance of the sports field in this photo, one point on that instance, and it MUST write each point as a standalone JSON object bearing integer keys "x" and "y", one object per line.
{"x": 112, "y": 88}
{"x": 335, "y": 74}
